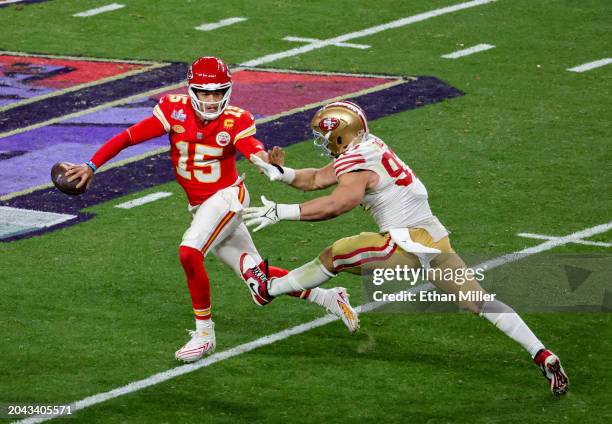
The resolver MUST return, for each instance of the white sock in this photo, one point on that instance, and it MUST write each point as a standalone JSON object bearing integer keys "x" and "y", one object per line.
{"x": 308, "y": 276}
{"x": 503, "y": 317}
{"x": 203, "y": 324}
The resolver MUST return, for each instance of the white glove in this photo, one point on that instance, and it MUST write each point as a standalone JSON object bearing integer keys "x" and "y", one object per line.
{"x": 274, "y": 172}
{"x": 268, "y": 214}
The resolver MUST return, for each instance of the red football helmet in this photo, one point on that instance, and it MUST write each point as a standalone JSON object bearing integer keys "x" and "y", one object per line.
{"x": 209, "y": 73}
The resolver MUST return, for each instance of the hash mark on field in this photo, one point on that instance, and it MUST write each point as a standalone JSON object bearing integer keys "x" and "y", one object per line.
{"x": 315, "y": 40}
{"x": 365, "y": 32}
{"x": 98, "y": 10}
{"x": 591, "y": 65}
{"x": 470, "y": 50}
{"x": 302, "y": 328}
{"x": 220, "y": 24}
{"x": 577, "y": 241}
{"x": 143, "y": 200}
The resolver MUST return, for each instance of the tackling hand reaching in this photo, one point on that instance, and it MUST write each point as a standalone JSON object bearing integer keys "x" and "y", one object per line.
{"x": 273, "y": 171}
{"x": 268, "y": 214}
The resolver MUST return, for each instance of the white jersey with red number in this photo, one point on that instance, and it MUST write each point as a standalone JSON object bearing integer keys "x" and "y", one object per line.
{"x": 399, "y": 199}
{"x": 203, "y": 155}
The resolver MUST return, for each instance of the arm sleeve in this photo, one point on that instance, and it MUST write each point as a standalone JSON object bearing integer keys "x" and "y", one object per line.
{"x": 248, "y": 146}
{"x": 145, "y": 130}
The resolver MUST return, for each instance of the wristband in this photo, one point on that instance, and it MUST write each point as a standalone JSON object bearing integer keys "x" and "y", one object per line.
{"x": 287, "y": 174}
{"x": 288, "y": 212}
{"x": 91, "y": 165}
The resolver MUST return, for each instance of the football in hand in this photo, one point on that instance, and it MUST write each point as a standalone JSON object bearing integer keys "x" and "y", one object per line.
{"x": 58, "y": 176}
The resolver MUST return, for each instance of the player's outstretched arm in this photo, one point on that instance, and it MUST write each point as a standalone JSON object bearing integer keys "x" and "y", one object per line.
{"x": 146, "y": 129}
{"x": 306, "y": 179}
{"x": 346, "y": 196}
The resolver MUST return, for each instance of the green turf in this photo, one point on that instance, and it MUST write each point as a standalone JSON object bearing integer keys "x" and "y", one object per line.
{"x": 95, "y": 306}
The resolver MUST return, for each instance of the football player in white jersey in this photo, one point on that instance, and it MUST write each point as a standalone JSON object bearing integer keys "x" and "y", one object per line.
{"x": 367, "y": 172}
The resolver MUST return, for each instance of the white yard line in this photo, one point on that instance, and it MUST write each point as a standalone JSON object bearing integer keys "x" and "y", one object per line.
{"x": 144, "y": 200}
{"x": 98, "y": 10}
{"x": 577, "y": 241}
{"x": 470, "y": 50}
{"x": 365, "y": 32}
{"x": 591, "y": 65}
{"x": 314, "y": 40}
{"x": 302, "y": 328}
{"x": 222, "y": 23}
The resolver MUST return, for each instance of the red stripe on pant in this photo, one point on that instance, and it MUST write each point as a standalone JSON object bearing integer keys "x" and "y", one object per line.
{"x": 192, "y": 261}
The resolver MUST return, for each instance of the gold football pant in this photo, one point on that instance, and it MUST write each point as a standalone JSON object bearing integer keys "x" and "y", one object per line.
{"x": 375, "y": 250}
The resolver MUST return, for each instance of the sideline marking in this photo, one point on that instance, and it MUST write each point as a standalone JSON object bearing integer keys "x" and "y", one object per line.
{"x": 591, "y": 65}
{"x": 144, "y": 200}
{"x": 314, "y": 40}
{"x": 220, "y": 24}
{"x": 98, "y": 10}
{"x": 365, "y": 32}
{"x": 577, "y": 241}
{"x": 302, "y": 328}
{"x": 470, "y": 50}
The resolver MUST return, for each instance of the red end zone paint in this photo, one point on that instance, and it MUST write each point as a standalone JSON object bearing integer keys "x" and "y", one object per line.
{"x": 27, "y": 77}
{"x": 83, "y": 71}
{"x": 267, "y": 93}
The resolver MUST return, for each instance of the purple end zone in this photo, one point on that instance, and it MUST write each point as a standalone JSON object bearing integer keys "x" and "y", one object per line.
{"x": 54, "y": 107}
{"x": 287, "y": 130}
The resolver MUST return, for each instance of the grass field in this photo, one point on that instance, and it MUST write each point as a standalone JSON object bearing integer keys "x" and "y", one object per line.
{"x": 95, "y": 306}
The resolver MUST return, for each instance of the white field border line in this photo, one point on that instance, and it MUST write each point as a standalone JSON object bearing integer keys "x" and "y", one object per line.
{"x": 470, "y": 50}
{"x": 98, "y": 10}
{"x": 144, "y": 200}
{"x": 126, "y": 161}
{"x": 591, "y": 65}
{"x": 366, "y": 32}
{"x": 220, "y": 24}
{"x": 578, "y": 241}
{"x": 2, "y": 3}
{"x": 302, "y": 328}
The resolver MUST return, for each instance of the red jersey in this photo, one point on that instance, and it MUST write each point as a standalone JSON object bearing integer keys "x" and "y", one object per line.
{"x": 203, "y": 154}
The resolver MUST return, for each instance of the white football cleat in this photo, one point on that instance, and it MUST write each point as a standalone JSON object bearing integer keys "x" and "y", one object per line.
{"x": 202, "y": 341}
{"x": 551, "y": 367}
{"x": 337, "y": 303}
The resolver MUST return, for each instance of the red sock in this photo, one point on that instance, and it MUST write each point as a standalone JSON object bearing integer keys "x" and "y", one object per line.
{"x": 197, "y": 281}
{"x": 277, "y": 272}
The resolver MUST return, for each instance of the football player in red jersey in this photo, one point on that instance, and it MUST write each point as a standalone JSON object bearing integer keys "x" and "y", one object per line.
{"x": 205, "y": 133}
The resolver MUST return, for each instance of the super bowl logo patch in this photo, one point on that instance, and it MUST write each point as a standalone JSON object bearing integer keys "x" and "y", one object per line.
{"x": 223, "y": 138}
{"x": 329, "y": 124}
{"x": 179, "y": 129}
{"x": 179, "y": 115}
